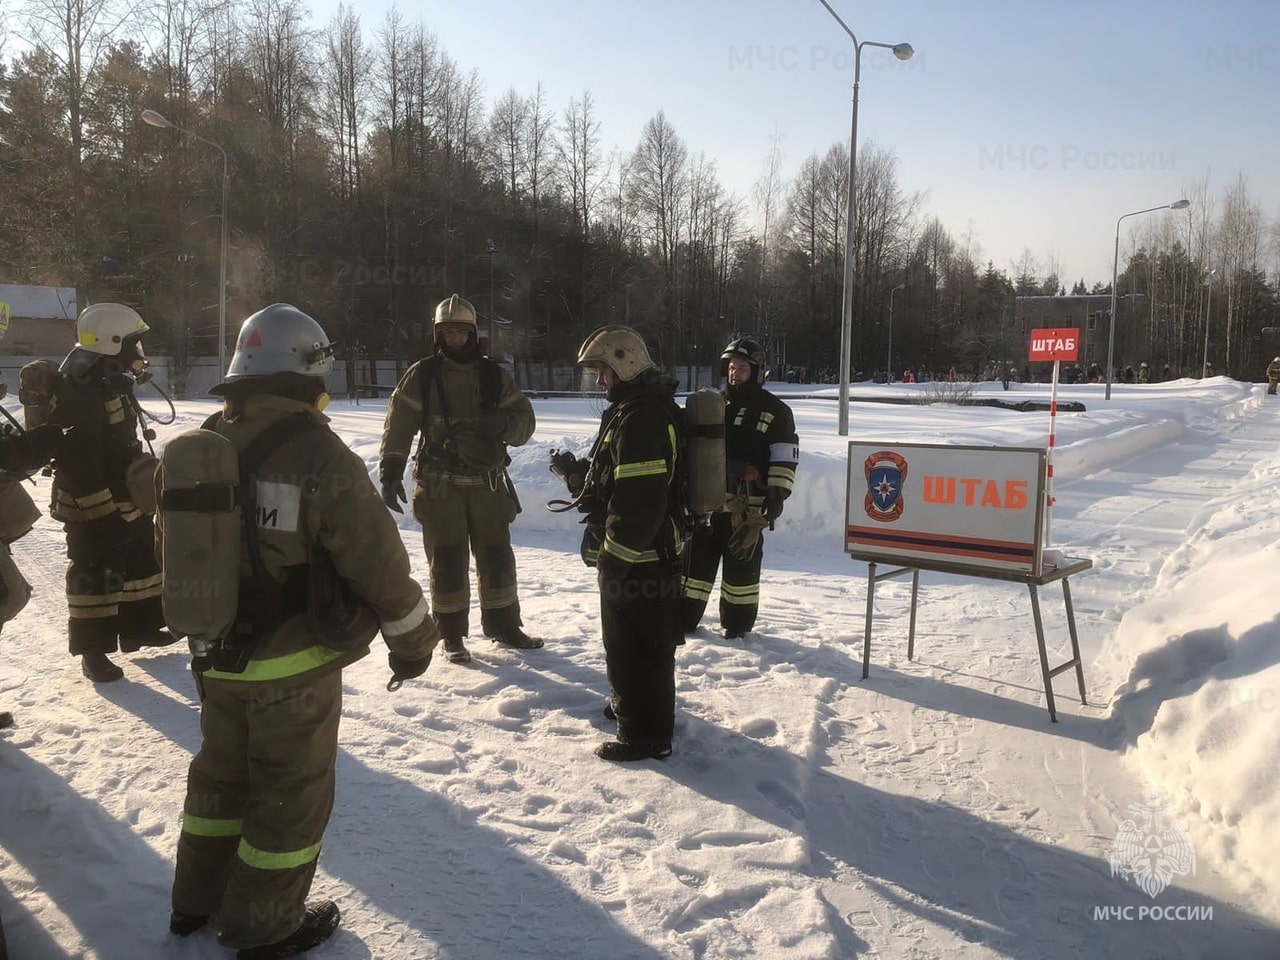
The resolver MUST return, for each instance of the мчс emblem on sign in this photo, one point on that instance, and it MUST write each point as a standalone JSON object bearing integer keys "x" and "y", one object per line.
{"x": 885, "y": 472}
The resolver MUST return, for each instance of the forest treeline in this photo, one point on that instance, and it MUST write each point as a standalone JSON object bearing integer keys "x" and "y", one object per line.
{"x": 370, "y": 175}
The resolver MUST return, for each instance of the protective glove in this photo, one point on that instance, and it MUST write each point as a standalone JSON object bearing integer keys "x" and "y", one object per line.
{"x": 391, "y": 473}
{"x": 773, "y": 499}
{"x": 570, "y": 469}
{"x": 744, "y": 541}
{"x": 44, "y": 442}
{"x": 21, "y": 451}
{"x": 393, "y": 495}
{"x": 403, "y": 669}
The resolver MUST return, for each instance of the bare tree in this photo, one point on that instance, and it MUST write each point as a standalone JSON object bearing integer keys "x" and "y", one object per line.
{"x": 75, "y": 34}
{"x": 659, "y": 187}
{"x": 580, "y": 159}
{"x": 699, "y": 246}
{"x": 180, "y": 26}
{"x": 539, "y": 139}
{"x": 805, "y": 232}
{"x": 508, "y": 141}
{"x": 345, "y": 79}
{"x": 883, "y": 214}
{"x": 767, "y": 193}
{"x": 1239, "y": 239}
{"x": 279, "y": 73}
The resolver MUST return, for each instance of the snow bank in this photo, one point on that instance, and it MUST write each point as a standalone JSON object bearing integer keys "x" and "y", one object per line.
{"x": 1201, "y": 702}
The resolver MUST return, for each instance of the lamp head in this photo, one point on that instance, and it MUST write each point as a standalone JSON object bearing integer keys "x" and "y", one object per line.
{"x": 154, "y": 118}
{"x": 903, "y": 51}
{"x": 1180, "y": 204}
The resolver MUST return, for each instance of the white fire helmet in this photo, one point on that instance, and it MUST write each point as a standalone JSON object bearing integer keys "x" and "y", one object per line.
{"x": 619, "y": 348}
{"x": 103, "y": 328}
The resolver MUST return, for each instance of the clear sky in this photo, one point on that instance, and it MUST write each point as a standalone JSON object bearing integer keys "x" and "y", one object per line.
{"x": 1025, "y": 124}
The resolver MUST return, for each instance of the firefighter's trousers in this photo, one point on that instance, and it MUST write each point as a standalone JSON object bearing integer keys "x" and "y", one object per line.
{"x": 113, "y": 589}
{"x": 459, "y": 520}
{"x": 259, "y": 795}
{"x": 740, "y": 580}
{"x": 640, "y": 620}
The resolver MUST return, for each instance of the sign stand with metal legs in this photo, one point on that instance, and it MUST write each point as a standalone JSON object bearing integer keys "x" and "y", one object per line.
{"x": 968, "y": 510}
{"x": 1063, "y": 572}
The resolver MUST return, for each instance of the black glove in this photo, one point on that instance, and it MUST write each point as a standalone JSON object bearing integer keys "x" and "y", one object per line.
{"x": 44, "y": 443}
{"x": 403, "y": 669}
{"x": 570, "y": 469}
{"x": 773, "y": 498}
{"x": 391, "y": 473}
{"x": 393, "y": 495}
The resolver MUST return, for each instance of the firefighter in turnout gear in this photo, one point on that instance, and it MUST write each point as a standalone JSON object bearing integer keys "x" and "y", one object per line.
{"x": 20, "y": 454}
{"x": 633, "y": 537}
{"x": 1273, "y": 376}
{"x": 465, "y": 411}
{"x": 261, "y": 788}
{"x": 113, "y": 579}
{"x": 761, "y": 453}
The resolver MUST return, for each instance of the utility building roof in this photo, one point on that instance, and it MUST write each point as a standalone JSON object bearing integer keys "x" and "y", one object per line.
{"x": 40, "y": 303}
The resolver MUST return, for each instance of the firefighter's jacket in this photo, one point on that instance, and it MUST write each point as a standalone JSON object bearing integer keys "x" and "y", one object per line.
{"x": 1273, "y": 371}
{"x": 311, "y": 491}
{"x": 90, "y": 470}
{"x": 464, "y": 438}
{"x": 18, "y": 514}
{"x": 761, "y": 446}
{"x": 633, "y": 504}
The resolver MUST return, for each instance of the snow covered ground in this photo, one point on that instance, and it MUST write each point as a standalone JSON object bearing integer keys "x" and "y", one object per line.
{"x": 929, "y": 811}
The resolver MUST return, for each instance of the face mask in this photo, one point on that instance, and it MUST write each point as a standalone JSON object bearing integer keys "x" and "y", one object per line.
{"x": 322, "y": 401}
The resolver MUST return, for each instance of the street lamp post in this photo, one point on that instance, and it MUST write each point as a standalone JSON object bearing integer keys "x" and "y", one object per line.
{"x": 1115, "y": 267}
{"x": 888, "y": 370}
{"x": 903, "y": 51}
{"x": 156, "y": 119}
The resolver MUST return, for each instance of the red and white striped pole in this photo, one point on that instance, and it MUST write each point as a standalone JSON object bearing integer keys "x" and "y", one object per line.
{"x": 1048, "y": 478}
{"x": 1053, "y": 345}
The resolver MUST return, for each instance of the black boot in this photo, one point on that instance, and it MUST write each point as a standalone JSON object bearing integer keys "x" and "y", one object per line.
{"x": 457, "y": 651}
{"x": 641, "y": 750}
{"x": 185, "y": 924}
{"x": 99, "y": 668}
{"x": 515, "y": 637}
{"x": 321, "y": 921}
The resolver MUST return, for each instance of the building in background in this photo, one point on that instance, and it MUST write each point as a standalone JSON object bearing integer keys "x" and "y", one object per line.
{"x": 37, "y": 321}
